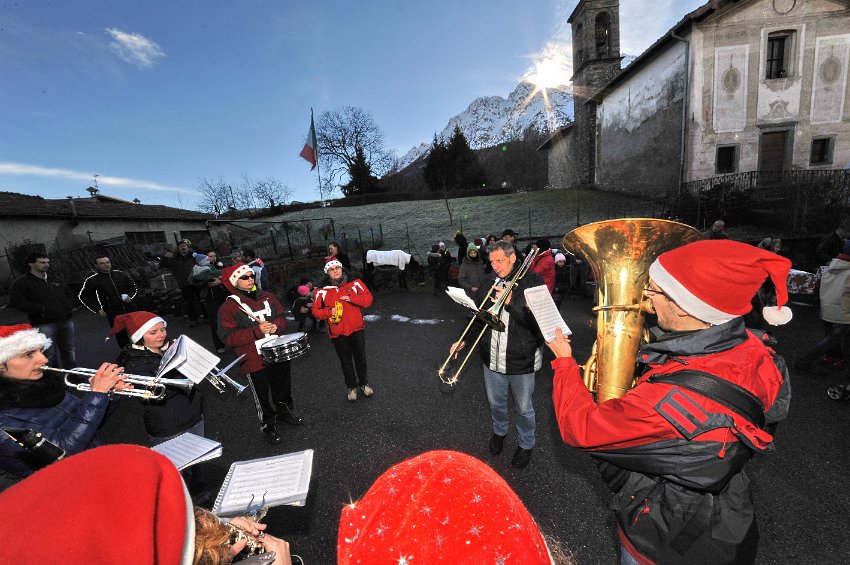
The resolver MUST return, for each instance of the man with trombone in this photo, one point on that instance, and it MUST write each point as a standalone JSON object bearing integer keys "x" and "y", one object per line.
{"x": 512, "y": 351}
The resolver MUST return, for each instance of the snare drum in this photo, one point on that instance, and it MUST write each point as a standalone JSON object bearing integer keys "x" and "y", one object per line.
{"x": 284, "y": 348}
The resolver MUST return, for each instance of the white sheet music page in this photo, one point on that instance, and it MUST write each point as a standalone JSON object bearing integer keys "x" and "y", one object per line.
{"x": 189, "y": 358}
{"x": 188, "y": 449}
{"x": 545, "y": 312}
{"x": 282, "y": 479}
{"x": 459, "y": 296}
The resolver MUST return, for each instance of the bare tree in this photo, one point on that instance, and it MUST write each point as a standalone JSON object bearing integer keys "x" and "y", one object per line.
{"x": 216, "y": 195}
{"x": 340, "y": 133}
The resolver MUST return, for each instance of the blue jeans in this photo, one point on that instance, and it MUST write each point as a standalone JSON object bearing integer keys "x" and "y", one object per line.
{"x": 626, "y": 557}
{"x": 62, "y": 336}
{"x": 522, "y": 387}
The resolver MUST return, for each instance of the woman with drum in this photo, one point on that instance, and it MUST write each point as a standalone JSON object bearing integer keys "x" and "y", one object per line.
{"x": 340, "y": 300}
{"x": 247, "y": 316}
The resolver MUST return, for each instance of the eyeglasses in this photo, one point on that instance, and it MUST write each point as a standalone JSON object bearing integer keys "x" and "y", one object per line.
{"x": 650, "y": 292}
{"x": 246, "y": 277}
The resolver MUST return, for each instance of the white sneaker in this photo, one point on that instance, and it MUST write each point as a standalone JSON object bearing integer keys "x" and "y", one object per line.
{"x": 367, "y": 390}
{"x": 352, "y": 394}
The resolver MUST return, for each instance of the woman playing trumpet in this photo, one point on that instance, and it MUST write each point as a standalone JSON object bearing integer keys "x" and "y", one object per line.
{"x": 178, "y": 411}
{"x": 31, "y": 400}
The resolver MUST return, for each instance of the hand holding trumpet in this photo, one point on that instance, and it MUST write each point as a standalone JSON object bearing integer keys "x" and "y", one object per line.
{"x": 270, "y": 543}
{"x": 107, "y": 378}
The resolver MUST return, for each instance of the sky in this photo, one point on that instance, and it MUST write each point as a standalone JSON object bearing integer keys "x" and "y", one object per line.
{"x": 154, "y": 95}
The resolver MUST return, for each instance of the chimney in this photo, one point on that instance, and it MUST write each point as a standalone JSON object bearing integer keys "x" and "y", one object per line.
{"x": 74, "y": 220}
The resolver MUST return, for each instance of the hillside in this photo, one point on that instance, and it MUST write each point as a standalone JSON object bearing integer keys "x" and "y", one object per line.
{"x": 417, "y": 225}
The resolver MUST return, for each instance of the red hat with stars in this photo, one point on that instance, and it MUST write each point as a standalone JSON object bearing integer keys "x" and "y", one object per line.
{"x": 440, "y": 507}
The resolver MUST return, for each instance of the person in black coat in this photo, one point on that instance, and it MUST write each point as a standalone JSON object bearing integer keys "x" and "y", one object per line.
{"x": 48, "y": 307}
{"x": 108, "y": 293}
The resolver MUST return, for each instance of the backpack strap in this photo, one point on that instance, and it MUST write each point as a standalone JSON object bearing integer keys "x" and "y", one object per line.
{"x": 734, "y": 397}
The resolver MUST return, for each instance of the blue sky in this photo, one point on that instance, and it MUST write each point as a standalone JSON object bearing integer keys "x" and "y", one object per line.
{"x": 153, "y": 95}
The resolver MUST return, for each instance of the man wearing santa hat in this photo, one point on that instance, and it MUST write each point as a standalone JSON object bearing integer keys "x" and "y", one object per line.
{"x": 247, "y": 315}
{"x": 673, "y": 448}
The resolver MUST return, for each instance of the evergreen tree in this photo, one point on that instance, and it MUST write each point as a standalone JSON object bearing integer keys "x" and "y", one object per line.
{"x": 362, "y": 180}
{"x": 468, "y": 174}
{"x": 453, "y": 166}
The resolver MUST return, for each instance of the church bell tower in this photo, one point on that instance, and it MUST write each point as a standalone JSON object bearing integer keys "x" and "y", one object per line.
{"x": 596, "y": 61}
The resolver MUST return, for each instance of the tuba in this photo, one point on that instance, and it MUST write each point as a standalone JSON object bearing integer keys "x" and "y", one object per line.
{"x": 620, "y": 253}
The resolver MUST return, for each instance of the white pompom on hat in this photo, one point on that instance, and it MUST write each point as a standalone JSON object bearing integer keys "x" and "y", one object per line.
{"x": 136, "y": 324}
{"x": 19, "y": 339}
{"x": 715, "y": 280}
{"x": 332, "y": 263}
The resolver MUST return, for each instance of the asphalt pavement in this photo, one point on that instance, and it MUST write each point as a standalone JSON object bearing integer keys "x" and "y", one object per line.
{"x": 800, "y": 489}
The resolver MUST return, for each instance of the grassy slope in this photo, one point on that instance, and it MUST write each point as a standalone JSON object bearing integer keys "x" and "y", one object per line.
{"x": 550, "y": 213}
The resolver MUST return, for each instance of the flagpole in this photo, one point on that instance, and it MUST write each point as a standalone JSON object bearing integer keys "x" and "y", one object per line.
{"x": 318, "y": 168}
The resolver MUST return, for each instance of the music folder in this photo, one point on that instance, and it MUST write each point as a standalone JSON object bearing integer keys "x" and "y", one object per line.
{"x": 269, "y": 481}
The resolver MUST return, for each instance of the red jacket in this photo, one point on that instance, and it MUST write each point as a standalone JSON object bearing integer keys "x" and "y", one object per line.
{"x": 544, "y": 265}
{"x": 660, "y": 474}
{"x": 352, "y": 315}
{"x": 237, "y": 330}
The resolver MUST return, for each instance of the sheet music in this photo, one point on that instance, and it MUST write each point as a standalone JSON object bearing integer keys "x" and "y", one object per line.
{"x": 545, "y": 312}
{"x": 282, "y": 479}
{"x": 187, "y": 449}
{"x": 189, "y": 358}
{"x": 459, "y": 296}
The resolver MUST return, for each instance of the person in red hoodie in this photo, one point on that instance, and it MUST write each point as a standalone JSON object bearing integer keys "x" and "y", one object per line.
{"x": 340, "y": 300}
{"x": 544, "y": 264}
{"x": 272, "y": 384}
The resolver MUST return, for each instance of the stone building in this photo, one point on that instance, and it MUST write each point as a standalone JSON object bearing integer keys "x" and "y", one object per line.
{"x": 59, "y": 224}
{"x": 734, "y": 86}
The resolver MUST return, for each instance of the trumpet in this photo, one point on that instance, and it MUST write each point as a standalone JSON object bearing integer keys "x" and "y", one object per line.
{"x": 152, "y": 387}
{"x": 491, "y": 317}
{"x": 218, "y": 377}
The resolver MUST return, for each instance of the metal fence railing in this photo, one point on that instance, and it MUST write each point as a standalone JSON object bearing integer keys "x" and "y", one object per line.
{"x": 799, "y": 202}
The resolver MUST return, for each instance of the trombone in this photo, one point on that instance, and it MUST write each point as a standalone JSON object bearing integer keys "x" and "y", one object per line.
{"x": 491, "y": 317}
{"x": 153, "y": 388}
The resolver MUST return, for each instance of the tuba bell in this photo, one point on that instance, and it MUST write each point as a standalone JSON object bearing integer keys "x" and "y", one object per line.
{"x": 620, "y": 253}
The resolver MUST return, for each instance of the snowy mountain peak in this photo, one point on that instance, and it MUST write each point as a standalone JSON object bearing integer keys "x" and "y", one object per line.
{"x": 492, "y": 120}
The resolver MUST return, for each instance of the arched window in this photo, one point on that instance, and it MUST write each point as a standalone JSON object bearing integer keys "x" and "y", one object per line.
{"x": 603, "y": 31}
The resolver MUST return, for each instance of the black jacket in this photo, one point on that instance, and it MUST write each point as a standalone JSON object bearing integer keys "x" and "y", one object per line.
{"x": 175, "y": 413}
{"x": 181, "y": 267}
{"x": 102, "y": 291}
{"x": 521, "y": 354}
{"x": 43, "y": 301}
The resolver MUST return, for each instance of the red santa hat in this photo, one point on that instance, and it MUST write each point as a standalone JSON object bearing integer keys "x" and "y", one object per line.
{"x": 715, "y": 280}
{"x": 73, "y": 511}
{"x": 332, "y": 263}
{"x": 439, "y": 506}
{"x": 20, "y": 339}
{"x": 229, "y": 275}
{"x": 136, "y": 324}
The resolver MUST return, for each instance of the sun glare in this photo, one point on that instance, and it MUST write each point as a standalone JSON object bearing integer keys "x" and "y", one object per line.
{"x": 549, "y": 69}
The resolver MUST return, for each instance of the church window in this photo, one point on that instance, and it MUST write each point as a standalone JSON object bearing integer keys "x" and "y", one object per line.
{"x": 727, "y": 159}
{"x": 778, "y": 60}
{"x": 603, "y": 33}
{"x": 821, "y": 151}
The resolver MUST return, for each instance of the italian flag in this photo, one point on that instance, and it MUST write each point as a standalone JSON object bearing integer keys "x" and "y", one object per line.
{"x": 310, "y": 151}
